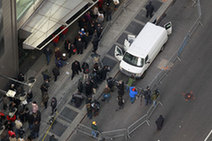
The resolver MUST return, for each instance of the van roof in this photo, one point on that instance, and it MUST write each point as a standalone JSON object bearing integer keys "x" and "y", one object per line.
{"x": 147, "y": 38}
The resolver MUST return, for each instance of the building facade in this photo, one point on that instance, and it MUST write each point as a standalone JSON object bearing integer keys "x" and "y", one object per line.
{"x": 8, "y": 41}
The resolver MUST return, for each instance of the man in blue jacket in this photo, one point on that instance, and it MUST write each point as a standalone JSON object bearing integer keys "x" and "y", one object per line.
{"x": 133, "y": 93}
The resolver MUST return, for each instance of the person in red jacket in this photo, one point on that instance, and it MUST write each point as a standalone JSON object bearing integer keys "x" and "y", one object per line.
{"x": 100, "y": 3}
{"x": 64, "y": 32}
{"x": 55, "y": 40}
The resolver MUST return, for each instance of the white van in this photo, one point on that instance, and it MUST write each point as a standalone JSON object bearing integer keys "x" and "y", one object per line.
{"x": 138, "y": 53}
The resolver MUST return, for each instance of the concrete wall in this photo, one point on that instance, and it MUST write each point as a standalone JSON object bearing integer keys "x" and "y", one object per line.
{"x": 9, "y": 56}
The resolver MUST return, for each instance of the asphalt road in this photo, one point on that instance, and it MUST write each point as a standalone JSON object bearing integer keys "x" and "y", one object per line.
{"x": 186, "y": 120}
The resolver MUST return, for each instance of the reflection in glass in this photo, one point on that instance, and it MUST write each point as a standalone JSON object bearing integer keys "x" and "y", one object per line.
{"x": 22, "y": 6}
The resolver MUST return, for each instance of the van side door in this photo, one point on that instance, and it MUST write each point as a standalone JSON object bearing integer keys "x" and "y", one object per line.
{"x": 118, "y": 53}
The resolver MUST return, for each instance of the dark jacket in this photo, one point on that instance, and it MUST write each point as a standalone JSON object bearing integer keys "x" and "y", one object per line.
{"x": 76, "y": 66}
{"x": 55, "y": 71}
{"x": 54, "y": 102}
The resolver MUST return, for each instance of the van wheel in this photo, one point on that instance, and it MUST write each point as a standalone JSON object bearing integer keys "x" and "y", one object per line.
{"x": 162, "y": 48}
{"x": 144, "y": 74}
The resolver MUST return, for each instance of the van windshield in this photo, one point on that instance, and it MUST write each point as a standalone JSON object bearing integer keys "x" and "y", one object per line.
{"x": 133, "y": 60}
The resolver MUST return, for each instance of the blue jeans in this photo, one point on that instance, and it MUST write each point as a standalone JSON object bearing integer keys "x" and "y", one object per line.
{"x": 94, "y": 133}
{"x": 48, "y": 59}
{"x": 132, "y": 99}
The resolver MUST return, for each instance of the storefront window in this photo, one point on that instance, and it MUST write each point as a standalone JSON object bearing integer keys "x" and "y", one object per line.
{"x": 22, "y": 6}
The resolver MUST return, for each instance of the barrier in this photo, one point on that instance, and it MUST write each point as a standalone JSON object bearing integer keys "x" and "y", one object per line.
{"x": 137, "y": 124}
{"x": 114, "y": 134}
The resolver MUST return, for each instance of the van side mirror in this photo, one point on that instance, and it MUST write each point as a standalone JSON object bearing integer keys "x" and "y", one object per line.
{"x": 147, "y": 62}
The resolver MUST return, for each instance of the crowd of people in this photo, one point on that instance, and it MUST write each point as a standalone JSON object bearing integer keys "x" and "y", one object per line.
{"x": 21, "y": 110}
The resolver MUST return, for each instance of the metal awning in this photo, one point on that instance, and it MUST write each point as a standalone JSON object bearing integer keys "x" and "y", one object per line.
{"x": 49, "y": 17}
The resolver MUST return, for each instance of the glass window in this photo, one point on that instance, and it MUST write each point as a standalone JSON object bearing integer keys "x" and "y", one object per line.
{"x": 133, "y": 60}
{"x": 22, "y": 6}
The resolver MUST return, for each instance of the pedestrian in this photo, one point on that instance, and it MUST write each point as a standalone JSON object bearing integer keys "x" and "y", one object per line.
{"x": 12, "y": 138}
{"x": 95, "y": 107}
{"x": 46, "y": 75}
{"x": 5, "y": 101}
{"x": 21, "y": 134}
{"x": 18, "y": 125}
{"x": 45, "y": 99}
{"x": 37, "y": 116}
{"x": 56, "y": 72}
{"x": 100, "y": 18}
{"x": 88, "y": 88}
{"x": 131, "y": 82}
{"x": 120, "y": 87}
{"x": 159, "y": 122}
{"x": 104, "y": 71}
{"x": 85, "y": 69}
{"x": 57, "y": 53}
{"x": 55, "y": 40}
{"x": 29, "y": 96}
{"x": 79, "y": 46}
{"x": 99, "y": 29}
{"x": 106, "y": 94}
{"x": 34, "y": 107}
{"x": 154, "y": 96}
{"x": 108, "y": 13}
{"x": 47, "y": 51}
{"x": 149, "y": 9}
{"x": 89, "y": 110}
{"x": 110, "y": 83}
{"x": 133, "y": 92}
{"x": 94, "y": 129}
{"x": 44, "y": 87}
{"x": 120, "y": 102}
{"x": 75, "y": 68}
{"x": 147, "y": 95}
{"x": 64, "y": 32}
{"x": 21, "y": 77}
{"x": 95, "y": 43}
{"x": 86, "y": 39}
{"x": 30, "y": 119}
{"x": 35, "y": 130}
{"x": 53, "y": 104}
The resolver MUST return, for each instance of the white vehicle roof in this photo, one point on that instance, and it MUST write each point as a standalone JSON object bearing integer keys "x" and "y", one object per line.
{"x": 150, "y": 35}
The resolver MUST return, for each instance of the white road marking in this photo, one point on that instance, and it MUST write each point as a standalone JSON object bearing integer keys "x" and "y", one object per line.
{"x": 208, "y": 136}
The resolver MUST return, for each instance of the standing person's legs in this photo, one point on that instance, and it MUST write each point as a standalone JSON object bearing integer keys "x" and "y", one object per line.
{"x": 73, "y": 73}
{"x": 53, "y": 109}
{"x": 46, "y": 104}
{"x": 132, "y": 99}
{"x": 48, "y": 59}
{"x": 55, "y": 77}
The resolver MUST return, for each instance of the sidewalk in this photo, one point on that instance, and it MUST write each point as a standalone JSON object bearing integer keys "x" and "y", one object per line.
{"x": 64, "y": 87}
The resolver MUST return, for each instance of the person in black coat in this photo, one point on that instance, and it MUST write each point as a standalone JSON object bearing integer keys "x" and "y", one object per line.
{"x": 104, "y": 71}
{"x": 95, "y": 43}
{"x": 79, "y": 46}
{"x": 53, "y": 104}
{"x": 159, "y": 122}
{"x": 149, "y": 10}
{"x": 120, "y": 87}
{"x": 56, "y": 72}
{"x": 88, "y": 89}
{"x": 75, "y": 68}
{"x": 35, "y": 130}
{"x": 147, "y": 95}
